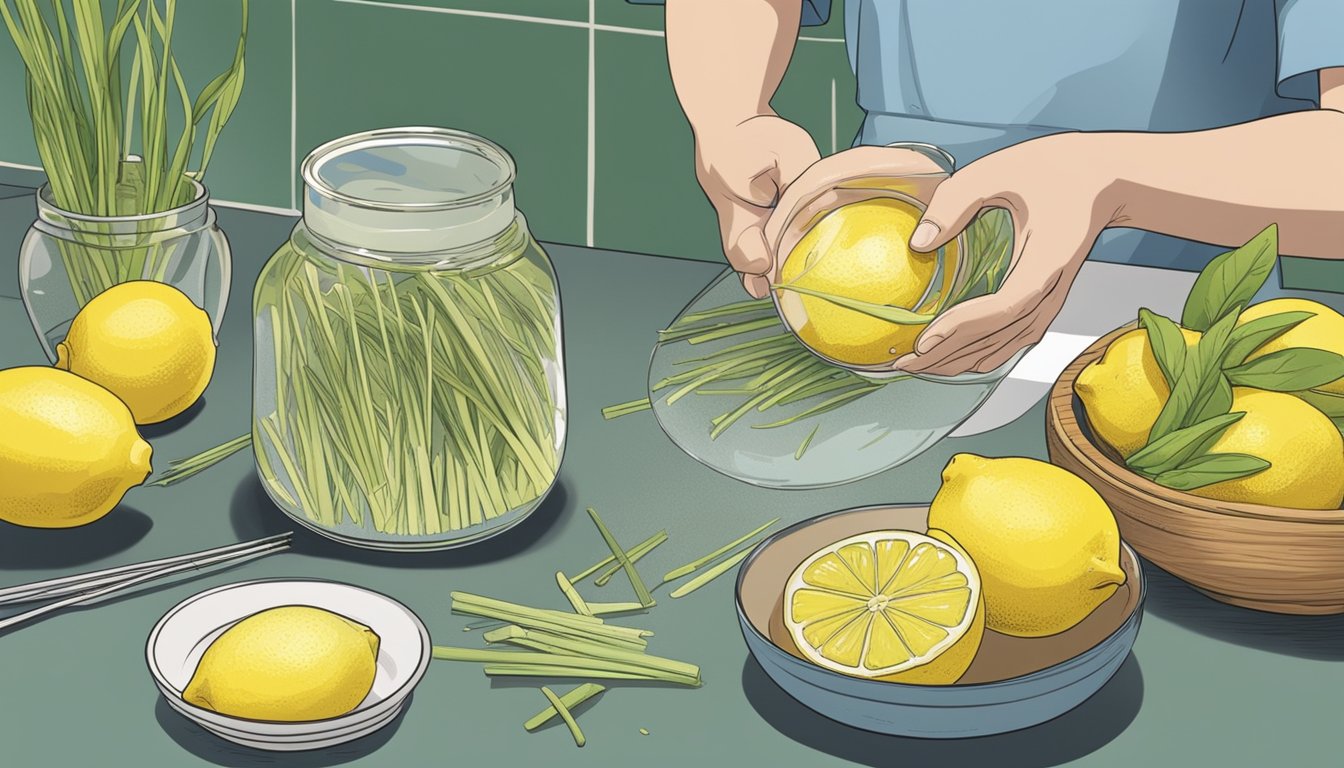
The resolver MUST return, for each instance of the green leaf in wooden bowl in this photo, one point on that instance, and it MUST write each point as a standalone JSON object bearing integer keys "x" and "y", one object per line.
{"x": 1230, "y": 280}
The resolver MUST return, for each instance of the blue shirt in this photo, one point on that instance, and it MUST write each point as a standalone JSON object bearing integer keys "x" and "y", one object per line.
{"x": 975, "y": 76}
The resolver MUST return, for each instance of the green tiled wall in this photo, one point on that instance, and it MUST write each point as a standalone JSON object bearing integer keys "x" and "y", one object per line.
{"x": 515, "y": 71}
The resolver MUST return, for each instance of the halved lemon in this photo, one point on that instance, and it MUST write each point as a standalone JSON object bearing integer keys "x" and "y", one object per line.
{"x": 885, "y": 603}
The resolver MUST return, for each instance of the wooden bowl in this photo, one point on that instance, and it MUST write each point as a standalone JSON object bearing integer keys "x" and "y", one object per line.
{"x": 1268, "y": 558}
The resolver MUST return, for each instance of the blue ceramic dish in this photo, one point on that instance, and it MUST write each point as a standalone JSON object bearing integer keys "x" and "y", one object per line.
{"x": 1014, "y": 682}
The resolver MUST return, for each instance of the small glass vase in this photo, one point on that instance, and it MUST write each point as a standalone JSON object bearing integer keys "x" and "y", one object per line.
{"x": 68, "y": 258}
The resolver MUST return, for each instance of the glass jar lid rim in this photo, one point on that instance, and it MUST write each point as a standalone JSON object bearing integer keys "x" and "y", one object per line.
{"x": 444, "y": 138}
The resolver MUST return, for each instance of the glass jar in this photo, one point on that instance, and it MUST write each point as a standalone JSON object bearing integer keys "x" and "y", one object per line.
{"x": 409, "y": 388}
{"x": 68, "y": 258}
{"x": 972, "y": 264}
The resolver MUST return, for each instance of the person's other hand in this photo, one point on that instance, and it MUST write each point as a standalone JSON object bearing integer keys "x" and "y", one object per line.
{"x": 1053, "y": 188}
{"x": 743, "y": 169}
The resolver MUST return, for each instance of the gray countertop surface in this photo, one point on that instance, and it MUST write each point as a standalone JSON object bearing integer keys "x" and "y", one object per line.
{"x": 1206, "y": 684}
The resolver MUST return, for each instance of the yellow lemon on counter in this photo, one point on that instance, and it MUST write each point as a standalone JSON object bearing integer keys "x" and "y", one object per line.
{"x": 147, "y": 343}
{"x": 69, "y": 449}
{"x": 289, "y": 664}
{"x": 1303, "y": 447}
{"x": 1046, "y": 544}
{"x": 892, "y": 605}
{"x": 858, "y": 251}
{"x": 1323, "y": 331}
{"x": 1124, "y": 390}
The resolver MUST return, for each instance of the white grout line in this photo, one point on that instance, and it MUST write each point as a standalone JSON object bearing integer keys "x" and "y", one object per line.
{"x": 591, "y": 208}
{"x": 275, "y": 209}
{"x": 293, "y": 103}
{"x": 832, "y": 115}
{"x": 591, "y": 24}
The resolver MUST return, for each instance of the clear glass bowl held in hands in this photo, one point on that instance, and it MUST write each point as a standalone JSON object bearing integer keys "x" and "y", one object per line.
{"x": 972, "y": 264}
{"x": 68, "y": 258}
{"x": 409, "y": 378}
{"x": 735, "y": 386}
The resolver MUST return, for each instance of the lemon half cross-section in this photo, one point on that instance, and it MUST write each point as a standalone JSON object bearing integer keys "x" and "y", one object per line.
{"x": 883, "y": 603}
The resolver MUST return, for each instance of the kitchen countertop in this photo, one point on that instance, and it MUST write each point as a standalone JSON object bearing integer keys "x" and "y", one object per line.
{"x": 1206, "y": 684}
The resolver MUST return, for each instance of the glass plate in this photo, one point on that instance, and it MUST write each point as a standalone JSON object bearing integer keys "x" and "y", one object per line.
{"x": 888, "y": 426}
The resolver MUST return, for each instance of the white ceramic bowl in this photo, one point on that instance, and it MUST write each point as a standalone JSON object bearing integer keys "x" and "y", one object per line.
{"x": 181, "y": 637}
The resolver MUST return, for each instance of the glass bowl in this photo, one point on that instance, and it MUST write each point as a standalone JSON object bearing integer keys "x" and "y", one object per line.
{"x": 891, "y": 422}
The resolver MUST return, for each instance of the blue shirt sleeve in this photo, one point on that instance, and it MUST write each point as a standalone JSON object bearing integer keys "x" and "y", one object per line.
{"x": 1311, "y": 38}
{"x": 815, "y": 12}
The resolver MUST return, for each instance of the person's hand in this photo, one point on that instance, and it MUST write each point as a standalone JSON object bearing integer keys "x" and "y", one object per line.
{"x": 1054, "y": 188}
{"x": 743, "y": 169}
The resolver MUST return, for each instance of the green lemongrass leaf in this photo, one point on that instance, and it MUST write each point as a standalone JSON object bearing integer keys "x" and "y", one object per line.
{"x": 571, "y": 700}
{"x": 636, "y": 552}
{"x": 191, "y": 466}
{"x": 625, "y": 409}
{"x": 897, "y": 315}
{"x": 641, "y": 591}
{"x": 1289, "y": 370}
{"x": 562, "y": 665}
{"x": 572, "y": 594}
{"x": 541, "y": 669}
{"x": 1210, "y": 469}
{"x": 605, "y": 609}
{"x": 802, "y": 448}
{"x": 547, "y": 642}
{"x": 1246, "y": 339}
{"x": 570, "y": 722}
{"x": 1231, "y": 280}
{"x": 736, "y": 308}
{"x": 701, "y": 562}
{"x": 711, "y": 574}
{"x": 1167, "y": 342}
{"x": 734, "y": 330}
{"x": 1178, "y": 447}
{"x": 825, "y": 406}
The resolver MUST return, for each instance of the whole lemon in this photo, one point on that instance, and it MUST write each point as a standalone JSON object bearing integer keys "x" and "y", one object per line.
{"x": 1302, "y": 445}
{"x": 859, "y": 251}
{"x": 1124, "y": 391}
{"x": 147, "y": 343}
{"x": 289, "y": 664}
{"x": 1323, "y": 331}
{"x": 68, "y": 449}
{"x": 1045, "y": 542}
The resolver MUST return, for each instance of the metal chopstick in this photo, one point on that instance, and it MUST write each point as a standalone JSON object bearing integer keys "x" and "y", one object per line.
{"x": 133, "y": 580}
{"x": 82, "y": 582}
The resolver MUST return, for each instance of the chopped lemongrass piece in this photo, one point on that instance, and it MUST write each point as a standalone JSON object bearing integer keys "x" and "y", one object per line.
{"x": 575, "y": 599}
{"x": 545, "y": 670}
{"x": 711, "y": 574}
{"x": 641, "y": 591}
{"x": 699, "y": 563}
{"x": 559, "y": 706}
{"x": 571, "y": 700}
{"x": 733, "y": 330}
{"x": 193, "y": 465}
{"x": 603, "y": 609}
{"x": 565, "y": 665}
{"x": 547, "y": 642}
{"x": 635, "y": 555}
{"x": 736, "y": 308}
{"x": 625, "y": 409}
{"x": 551, "y": 621}
{"x": 636, "y": 552}
{"x": 806, "y": 442}
{"x": 896, "y": 315}
{"x": 643, "y": 731}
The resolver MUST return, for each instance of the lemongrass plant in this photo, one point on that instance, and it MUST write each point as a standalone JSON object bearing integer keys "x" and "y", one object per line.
{"x": 102, "y": 95}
